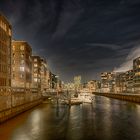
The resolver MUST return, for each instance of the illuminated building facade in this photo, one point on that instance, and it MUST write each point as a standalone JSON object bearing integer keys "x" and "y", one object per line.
{"x": 21, "y": 64}
{"x": 69, "y": 86}
{"x": 107, "y": 82}
{"x": 136, "y": 68}
{"x": 36, "y": 72}
{"x": 93, "y": 85}
{"x": 120, "y": 82}
{"x": 44, "y": 76}
{"x": 53, "y": 81}
{"x": 77, "y": 82}
{"x": 129, "y": 81}
{"x": 5, "y": 52}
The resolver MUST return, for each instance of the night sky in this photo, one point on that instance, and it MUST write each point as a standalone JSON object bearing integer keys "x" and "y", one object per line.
{"x": 78, "y": 37}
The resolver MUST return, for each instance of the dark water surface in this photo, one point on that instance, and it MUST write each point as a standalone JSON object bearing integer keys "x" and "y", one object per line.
{"x": 105, "y": 119}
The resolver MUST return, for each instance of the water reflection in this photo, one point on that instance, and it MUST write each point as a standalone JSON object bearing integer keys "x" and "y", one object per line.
{"x": 105, "y": 119}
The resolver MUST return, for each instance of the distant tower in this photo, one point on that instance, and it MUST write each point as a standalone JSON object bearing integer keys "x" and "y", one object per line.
{"x": 77, "y": 82}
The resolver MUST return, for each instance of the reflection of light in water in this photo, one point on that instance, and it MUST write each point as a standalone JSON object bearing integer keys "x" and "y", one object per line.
{"x": 72, "y": 109}
{"x": 107, "y": 121}
{"x": 36, "y": 123}
{"x": 22, "y": 137}
{"x": 31, "y": 130}
{"x": 107, "y": 106}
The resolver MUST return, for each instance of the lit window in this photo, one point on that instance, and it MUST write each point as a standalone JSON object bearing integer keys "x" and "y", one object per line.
{"x": 35, "y": 65}
{"x": 22, "y": 55}
{"x": 35, "y": 74}
{"x": 22, "y": 47}
{"x": 35, "y": 60}
{"x": 13, "y": 68}
{"x": 137, "y": 74}
{"x": 22, "y": 68}
{"x": 35, "y": 79}
{"x": 13, "y": 48}
{"x": 10, "y": 32}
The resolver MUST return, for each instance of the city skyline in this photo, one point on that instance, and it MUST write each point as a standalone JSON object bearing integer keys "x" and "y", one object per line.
{"x": 78, "y": 37}
{"x": 61, "y": 78}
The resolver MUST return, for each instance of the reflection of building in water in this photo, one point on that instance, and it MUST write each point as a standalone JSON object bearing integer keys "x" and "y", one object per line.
{"x": 5, "y": 52}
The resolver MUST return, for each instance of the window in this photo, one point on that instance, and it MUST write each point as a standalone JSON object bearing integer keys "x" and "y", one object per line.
{"x": 13, "y": 62}
{"x": 13, "y": 68}
{"x": 10, "y": 32}
{"x": 22, "y": 47}
{"x": 35, "y": 79}
{"x": 35, "y": 60}
{"x": 35, "y": 74}
{"x": 35, "y": 65}
{"x": 13, "y": 48}
{"x": 22, "y": 62}
{"x": 22, "y": 55}
{"x": 21, "y": 75}
{"x": 22, "y": 68}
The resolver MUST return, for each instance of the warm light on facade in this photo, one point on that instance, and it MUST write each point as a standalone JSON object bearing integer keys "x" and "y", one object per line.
{"x": 5, "y": 52}
{"x": 22, "y": 65}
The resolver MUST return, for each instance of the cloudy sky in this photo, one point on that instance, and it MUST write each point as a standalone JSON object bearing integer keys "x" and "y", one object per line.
{"x": 78, "y": 37}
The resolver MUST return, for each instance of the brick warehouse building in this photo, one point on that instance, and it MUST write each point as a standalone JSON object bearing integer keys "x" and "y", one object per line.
{"x": 5, "y": 52}
{"x": 21, "y": 64}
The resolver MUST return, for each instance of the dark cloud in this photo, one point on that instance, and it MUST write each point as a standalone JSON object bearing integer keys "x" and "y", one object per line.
{"x": 77, "y": 36}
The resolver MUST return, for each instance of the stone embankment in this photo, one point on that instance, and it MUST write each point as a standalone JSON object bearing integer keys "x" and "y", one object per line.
{"x": 13, "y": 103}
{"x": 126, "y": 97}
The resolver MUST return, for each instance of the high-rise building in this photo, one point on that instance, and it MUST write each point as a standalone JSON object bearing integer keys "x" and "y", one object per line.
{"x": 21, "y": 64}
{"x": 107, "y": 81}
{"x": 136, "y": 68}
{"x": 93, "y": 86}
{"x": 36, "y": 72}
{"x": 129, "y": 81}
{"x": 5, "y": 52}
{"x": 120, "y": 82}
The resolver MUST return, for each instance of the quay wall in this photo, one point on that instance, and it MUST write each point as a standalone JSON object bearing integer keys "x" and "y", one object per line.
{"x": 14, "y": 103}
{"x": 126, "y": 97}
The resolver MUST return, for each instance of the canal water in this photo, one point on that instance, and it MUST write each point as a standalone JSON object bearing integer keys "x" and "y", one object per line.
{"x": 105, "y": 119}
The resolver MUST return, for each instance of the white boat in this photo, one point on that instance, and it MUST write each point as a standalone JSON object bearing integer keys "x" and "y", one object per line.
{"x": 85, "y": 97}
{"x": 72, "y": 101}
